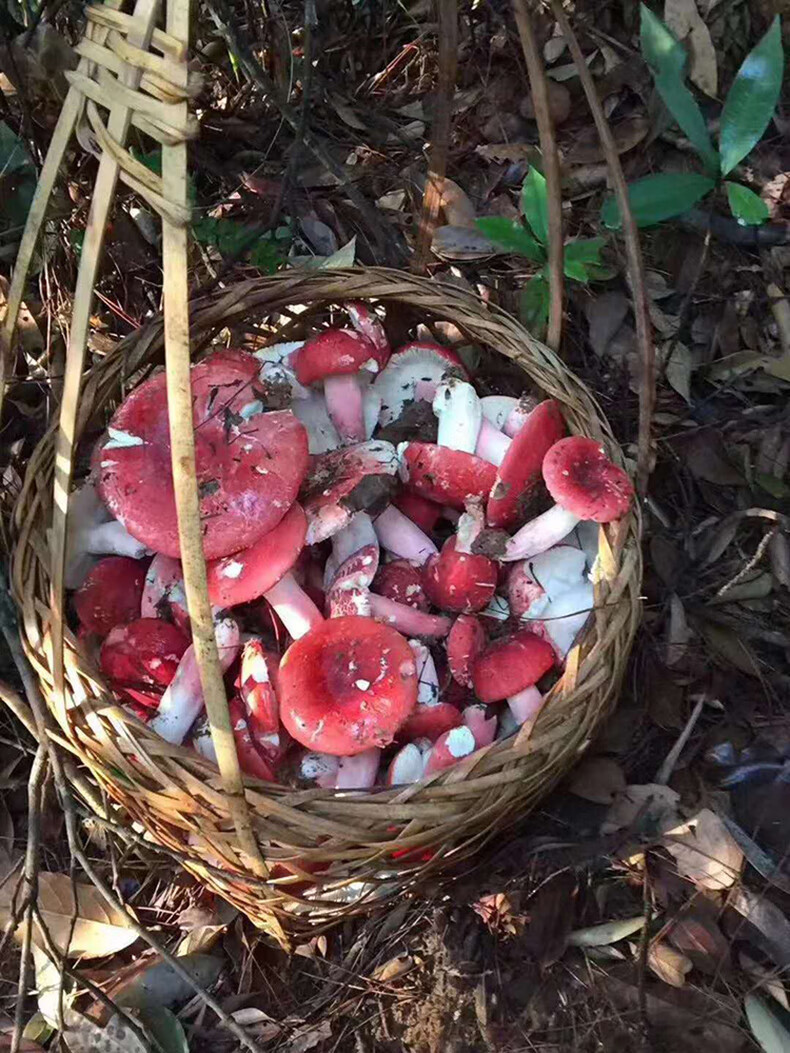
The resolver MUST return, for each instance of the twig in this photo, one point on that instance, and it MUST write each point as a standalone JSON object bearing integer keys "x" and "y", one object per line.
{"x": 38, "y": 707}
{"x": 750, "y": 564}
{"x": 440, "y": 131}
{"x": 255, "y": 73}
{"x": 34, "y": 783}
{"x": 551, "y": 168}
{"x": 685, "y": 307}
{"x": 665, "y": 771}
{"x": 644, "y": 946}
{"x": 633, "y": 251}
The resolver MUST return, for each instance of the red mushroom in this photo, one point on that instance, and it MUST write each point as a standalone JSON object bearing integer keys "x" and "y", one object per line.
{"x": 451, "y": 747}
{"x": 511, "y": 666}
{"x": 336, "y": 356}
{"x": 448, "y": 477}
{"x": 519, "y": 472}
{"x": 183, "y": 700}
{"x": 347, "y": 686}
{"x": 257, "y": 689}
{"x": 143, "y": 652}
{"x": 421, "y": 511}
{"x": 585, "y": 484}
{"x": 110, "y": 595}
{"x": 342, "y": 482}
{"x": 401, "y": 581}
{"x": 250, "y": 464}
{"x": 264, "y": 569}
{"x": 457, "y": 579}
{"x": 164, "y": 595}
{"x": 414, "y": 371}
{"x": 467, "y": 639}
{"x": 430, "y": 722}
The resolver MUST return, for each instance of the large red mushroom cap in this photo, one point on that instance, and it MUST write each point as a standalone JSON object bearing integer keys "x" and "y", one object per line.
{"x": 449, "y": 477}
{"x": 467, "y": 639}
{"x": 581, "y": 478}
{"x": 144, "y": 652}
{"x": 459, "y": 581}
{"x": 519, "y": 472}
{"x": 111, "y": 594}
{"x": 334, "y": 352}
{"x": 509, "y": 665}
{"x": 347, "y": 685}
{"x": 246, "y": 575}
{"x": 250, "y": 463}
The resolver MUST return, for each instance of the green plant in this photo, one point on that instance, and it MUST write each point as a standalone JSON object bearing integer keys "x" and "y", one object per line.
{"x": 581, "y": 258}
{"x": 747, "y": 110}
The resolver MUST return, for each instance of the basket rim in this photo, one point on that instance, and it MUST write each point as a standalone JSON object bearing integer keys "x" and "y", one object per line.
{"x": 500, "y": 778}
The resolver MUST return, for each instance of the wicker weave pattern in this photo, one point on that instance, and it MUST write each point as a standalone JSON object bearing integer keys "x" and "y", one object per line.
{"x": 178, "y": 797}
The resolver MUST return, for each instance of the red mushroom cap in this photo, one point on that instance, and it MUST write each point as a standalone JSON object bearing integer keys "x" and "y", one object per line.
{"x": 429, "y": 722}
{"x": 258, "y": 691}
{"x": 111, "y": 594}
{"x": 246, "y": 575}
{"x": 466, "y": 641}
{"x": 342, "y": 482}
{"x": 450, "y": 748}
{"x": 347, "y": 685}
{"x": 144, "y": 652}
{"x": 420, "y": 510}
{"x": 334, "y": 352}
{"x": 582, "y": 479}
{"x": 250, "y": 464}
{"x": 449, "y": 477}
{"x": 519, "y": 472}
{"x": 459, "y": 581}
{"x": 401, "y": 581}
{"x": 509, "y": 665}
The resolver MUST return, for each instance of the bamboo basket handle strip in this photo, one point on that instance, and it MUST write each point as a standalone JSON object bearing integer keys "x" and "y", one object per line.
{"x": 182, "y": 441}
{"x": 145, "y": 12}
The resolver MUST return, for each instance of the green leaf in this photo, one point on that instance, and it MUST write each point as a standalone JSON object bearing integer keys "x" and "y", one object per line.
{"x": 658, "y": 197}
{"x": 745, "y": 205}
{"x": 166, "y": 1029}
{"x": 752, "y": 99}
{"x": 510, "y": 235}
{"x": 582, "y": 259}
{"x": 534, "y": 204}
{"x": 667, "y": 60}
{"x": 769, "y": 1023}
{"x": 534, "y": 307}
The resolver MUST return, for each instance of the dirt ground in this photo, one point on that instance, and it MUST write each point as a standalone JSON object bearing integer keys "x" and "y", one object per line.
{"x": 492, "y": 958}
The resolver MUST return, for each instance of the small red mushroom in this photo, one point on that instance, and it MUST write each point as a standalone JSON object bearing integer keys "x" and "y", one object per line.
{"x": 511, "y": 666}
{"x": 451, "y": 747}
{"x": 458, "y": 579}
{"x": 250, "y": 463}
{"x": 429, "y": 722}
{"x": 585, "y": 484}
{"x": 264, "y": 569}
{"x": 111, "y": 594}
{"x": 401, "y": 581}
{"x": 519, "y": 472}
{"x": 448, "y": 477}
{"x": 342, "y": 482}
{"x": 143, "y": 652}
{"x": 336, "y": 356}
{"x": 347, "y": 686}
{"x": 467, "y": 639}
{"x": 257, "y": 690}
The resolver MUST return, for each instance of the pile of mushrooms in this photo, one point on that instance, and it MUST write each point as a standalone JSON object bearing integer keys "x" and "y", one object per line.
{"x": 398, "y": 567}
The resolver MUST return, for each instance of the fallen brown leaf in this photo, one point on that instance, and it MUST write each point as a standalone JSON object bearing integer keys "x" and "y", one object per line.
{"x": 598, "y": 779}
{"x": 627, "y": 134}
{"x": 668, "y": 964}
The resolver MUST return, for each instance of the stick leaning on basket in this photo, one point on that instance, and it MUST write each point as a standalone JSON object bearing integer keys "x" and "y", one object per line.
{"x": 290, "y": 858}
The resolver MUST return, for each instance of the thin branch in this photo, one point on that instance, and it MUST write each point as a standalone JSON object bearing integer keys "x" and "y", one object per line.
{"x": 440, "y": 131}
{"x": 551, "y": 168}
{"x": 254, "y": 72}
{"x": 633, "y": 252}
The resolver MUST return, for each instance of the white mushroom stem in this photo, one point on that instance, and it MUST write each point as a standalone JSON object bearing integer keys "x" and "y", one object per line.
{"x": 345, "y": 406}
{"x": 358, "y": 533}
{"x": 492, "y": 445}
{"x": 359, "y": 772}
{"x": 293, "y": 606}
{"x": 320, "y": 768}
{"x": 518, "y": 415}
{"x": 427, "y": 677}
{"x": 371, "y": 408}
{"x": 401, "y": 536}
{"x": 321, "y": 433}
{"x": 497, "y": 408}
{"x": 93, "y": 532}
{"x": 470, "y": 526}
{"x": 525, "y": 705}
{"x": 183, "y": 700}
{"x": 407, "y": 620}
{"x": 565, "y": 616}
{"x": 540, "y": 533}
{"x": 457, "y": 405}
{"x": 407, "y": 766}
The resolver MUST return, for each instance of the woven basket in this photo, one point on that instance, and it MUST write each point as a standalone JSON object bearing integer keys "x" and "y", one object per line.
{"x": 345, "y": 852}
